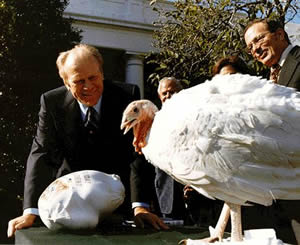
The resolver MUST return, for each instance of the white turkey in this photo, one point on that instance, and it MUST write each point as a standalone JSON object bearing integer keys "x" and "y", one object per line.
{"x": 235, "y": 138}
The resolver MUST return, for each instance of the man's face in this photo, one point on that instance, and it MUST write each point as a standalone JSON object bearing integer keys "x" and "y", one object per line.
{"x": 84, "y": 79}
{"x": 265, "y": 46}
{"x": 167, "y": 89}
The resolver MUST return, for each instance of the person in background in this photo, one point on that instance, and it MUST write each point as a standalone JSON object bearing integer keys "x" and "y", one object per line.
{"x": 230, "y": 65}
{"x": 268, "y": 43}
{"x": 167, "y": 87}
{"x": 78, "y": 129}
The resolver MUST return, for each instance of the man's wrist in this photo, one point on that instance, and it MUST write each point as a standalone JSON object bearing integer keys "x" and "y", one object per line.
{"x": 34, "y": 211}
{"x": 140, "y": 204}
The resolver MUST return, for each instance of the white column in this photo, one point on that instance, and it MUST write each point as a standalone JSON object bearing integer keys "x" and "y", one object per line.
{"x": 135, "y": 71}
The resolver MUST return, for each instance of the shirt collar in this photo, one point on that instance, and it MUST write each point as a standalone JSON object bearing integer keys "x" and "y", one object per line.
{"x": 285, "y": 54}
{"x": 84, "y": 108}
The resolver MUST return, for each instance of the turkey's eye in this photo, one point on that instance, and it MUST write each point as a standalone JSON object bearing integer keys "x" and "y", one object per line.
{"x": 135, "y": 110}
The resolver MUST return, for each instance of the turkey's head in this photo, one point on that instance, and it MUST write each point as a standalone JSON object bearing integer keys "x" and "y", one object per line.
{"x": 139, "y": 115}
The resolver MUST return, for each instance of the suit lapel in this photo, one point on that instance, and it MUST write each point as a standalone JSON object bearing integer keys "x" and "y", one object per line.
{"x": 109, "y": 107}
{"x": 288, "y": 70}
{"x": 71, "y": 120}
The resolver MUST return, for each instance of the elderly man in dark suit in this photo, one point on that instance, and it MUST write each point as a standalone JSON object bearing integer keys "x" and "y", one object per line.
{"x": 78, "y": 129}
{"x": 268, "y": 43}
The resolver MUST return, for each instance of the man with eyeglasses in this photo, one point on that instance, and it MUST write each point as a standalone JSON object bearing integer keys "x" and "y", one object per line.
{"x": 268, "y": 43}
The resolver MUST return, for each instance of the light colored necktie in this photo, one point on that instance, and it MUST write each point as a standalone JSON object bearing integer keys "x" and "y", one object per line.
{"x": 275, "y": 70}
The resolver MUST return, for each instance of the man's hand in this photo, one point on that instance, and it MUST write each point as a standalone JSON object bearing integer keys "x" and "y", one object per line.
{"x": 19, "y": 223}
{"x": 188, "y": 191}
{"x": 142, "y": 214}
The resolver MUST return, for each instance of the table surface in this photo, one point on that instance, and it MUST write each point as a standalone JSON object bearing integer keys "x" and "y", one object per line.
{"x": 105, "y": 236}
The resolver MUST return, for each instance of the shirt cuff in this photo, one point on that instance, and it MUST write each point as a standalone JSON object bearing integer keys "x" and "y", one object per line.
{"x": 34, "y": 211}
{"x": 140, "y": 204}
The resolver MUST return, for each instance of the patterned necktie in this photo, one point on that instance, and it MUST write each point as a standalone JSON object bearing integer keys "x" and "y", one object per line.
{"x": 91, "y": 121}
{"x": 275, "y": 70}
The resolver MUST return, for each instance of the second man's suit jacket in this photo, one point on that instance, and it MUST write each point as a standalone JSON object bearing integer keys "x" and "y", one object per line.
{"x": 290, "y": 71}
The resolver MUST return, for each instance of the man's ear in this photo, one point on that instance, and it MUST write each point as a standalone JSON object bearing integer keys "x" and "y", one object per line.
{"x": 67, "y": 84}
{"x": 280, "y": 33}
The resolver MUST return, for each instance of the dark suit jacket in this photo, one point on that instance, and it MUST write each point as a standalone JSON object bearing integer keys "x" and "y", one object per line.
{"x": 155, "y": 187}
{"x": 59, "y": 146}
{"x": 142, "y": 181}
{"x": 290, "y": 71}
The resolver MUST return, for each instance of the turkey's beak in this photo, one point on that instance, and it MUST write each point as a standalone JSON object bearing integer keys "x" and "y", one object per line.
{"x": 128, "y": 123}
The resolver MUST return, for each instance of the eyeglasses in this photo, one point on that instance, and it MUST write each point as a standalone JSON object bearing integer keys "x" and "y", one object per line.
{"x": 257, "y": 40}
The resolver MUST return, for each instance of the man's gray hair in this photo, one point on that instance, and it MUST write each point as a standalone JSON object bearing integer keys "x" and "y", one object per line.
{"x": 172, "y": 79}
{"x": 80, "y": 48}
